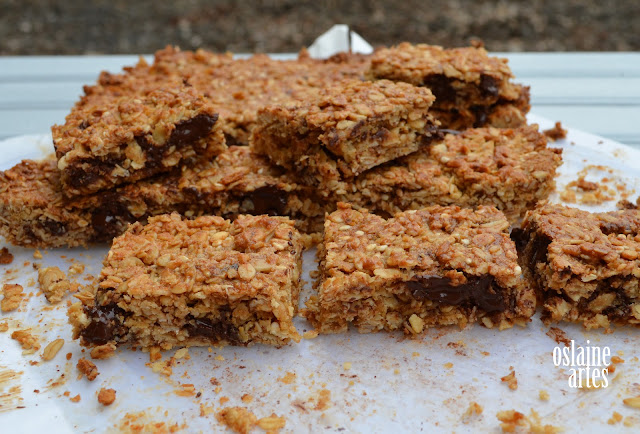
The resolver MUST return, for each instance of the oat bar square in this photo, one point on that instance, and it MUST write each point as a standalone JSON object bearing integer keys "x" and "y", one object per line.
{"x": 430, "y": 267}
{"x": 206, "y": 281}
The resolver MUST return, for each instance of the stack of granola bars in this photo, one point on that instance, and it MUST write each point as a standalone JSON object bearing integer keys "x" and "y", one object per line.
{"x": 409, "y": 167}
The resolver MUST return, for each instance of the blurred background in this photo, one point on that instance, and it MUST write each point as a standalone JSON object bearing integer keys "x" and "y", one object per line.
{"x": 143, "y": 26}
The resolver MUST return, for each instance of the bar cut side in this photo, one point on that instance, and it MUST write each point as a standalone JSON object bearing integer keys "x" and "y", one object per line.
{"x": 118, "y": 136}
{"x": 205, "y": 281}
{"x": 432, "y": 267}
{"x": 472, "y": 89}
{"x": 585, "y": 266}
{"x": 34, "y": 212}
{"x": 345, "y": 129}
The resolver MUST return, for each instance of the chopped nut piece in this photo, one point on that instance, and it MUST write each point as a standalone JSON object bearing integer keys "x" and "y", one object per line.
{"x": 417, "y": 323}
{"x": 103, "y": 351}
{"x": 88, "y": 368}
{"x": 5, "y": 256}
{"x": 53, "y": 283}
{"x": 238, "y": 419}
{"x": 511, "y": 380}
{"x": 52, "y": 349}
{"x": 12, "y": 297}
{"x": 106, "y": 396}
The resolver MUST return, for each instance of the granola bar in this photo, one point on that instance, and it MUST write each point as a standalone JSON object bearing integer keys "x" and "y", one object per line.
{"x": 130, "y": 127}
{"x": 435, "y": 266}
{"x": 584, "y": 266}
{"x": 35, "y": 213}
{"x": 511, "y": 169}
{"x": 180, "y": 282}
{"x": 346, "y": 128}
{"x": 472, "y": 89}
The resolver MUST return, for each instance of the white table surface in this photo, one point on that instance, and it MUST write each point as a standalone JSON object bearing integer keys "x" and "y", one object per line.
{"x": 594, "y": 92}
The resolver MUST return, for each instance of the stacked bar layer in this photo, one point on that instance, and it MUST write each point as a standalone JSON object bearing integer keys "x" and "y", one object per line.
{"x": 472, "y": 89}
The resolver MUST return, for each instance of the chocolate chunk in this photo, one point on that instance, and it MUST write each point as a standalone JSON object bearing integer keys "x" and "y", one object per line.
{"x": 441, "y": 88}
{"x": 96, "y": 168}
{"x": 482, "y": 115}
{"x": 539, "y": 249}
{"x": 84, "y": 125}
{"x": 215, "y": 331}
{"x": 193, "y": 129}
{"x": 109, "y": 219}
{"x": 478, "y": 291}
{"x": 268, "y": 200}
{"x": 489, "y": 86}
{"x": 105, "y": 324}
{"x": 53, "y": 227}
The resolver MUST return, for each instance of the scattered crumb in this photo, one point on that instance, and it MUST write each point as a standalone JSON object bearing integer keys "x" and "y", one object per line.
{"x": 615, "y": 418}
{"x": 5, "y": 256}
{"x": 155, "y": 354}
{"x": 219, "y": 357}
{"x": 28, "y": 341}
{"x": 224, "y": 400}
{"x": 543, "y": 395}
{"x": 246, "y": 398}
{"x": 556, "y": 133}
{"x": 52, "y": 349}
{"x": 69, "y": 355}
{"x": 103, "y": 351}
{"x": 514, "y": 421}
{"x": 186, "y": 390}
{"x": 37, "y": 254}
{"x": 88, "y": 368}
{"x": 206, "y": 410}
{"x": 448, "y": 365}
{"x": 629, "y": 421}
{"x": 595, "y": 193}
{"x": 106, "y": 396}
{"x": 4, "y": 326}
{"x": 182, "y": 353}
{"x": 163, "y": 367}
{"x": 616, "y": 360}
{"x": 76, "y": 268}
{"x": 311, "y": 334}
{"x": 75, "y": 398}
{"x": 53, "y": 283}
{"x": 346, "y": 366}
{"x": 238, "y": 419}
{"x": 511, "y": 380}
{"x": 288, "y": 378}
{"x": 214, "y": 381}
{"x": 13, "y": 295}
{"x": 559, "y": 336}
{"x": 474, "y": 409}
{"x": 324, "y": 399}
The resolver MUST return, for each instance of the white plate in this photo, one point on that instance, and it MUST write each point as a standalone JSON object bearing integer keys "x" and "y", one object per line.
{"x": 394, "y": 384}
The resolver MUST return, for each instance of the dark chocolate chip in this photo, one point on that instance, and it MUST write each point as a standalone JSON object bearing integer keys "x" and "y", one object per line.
{"x": 441, "y": 88}
{"x": 268, "y": 200}
{"x": 53, "y": 227}
{"x": 215, "y": 331}
{"x": 489, "y": 86}
{"x": 482, "y": 115}
{"x": 539, "y": 248}
{"x": 105, "y": 324}
{"x": 478, "y": 291}
{"x": 110, "y": 219}
{"x": 84, "y": 125}
{"x": 191, "y": 130}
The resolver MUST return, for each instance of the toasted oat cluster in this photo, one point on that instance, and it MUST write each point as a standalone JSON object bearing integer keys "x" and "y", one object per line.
{"x": 178, "y": 282}
{"x": 435, "y": 266}
{"x": 119, "y": 133}
{"x": 472, "y": 89}
{"x": 34, "y": 211}
{"x": 584, "y": 266}
{"x": 342, "y": 130}
{"x": 511, "y": 169}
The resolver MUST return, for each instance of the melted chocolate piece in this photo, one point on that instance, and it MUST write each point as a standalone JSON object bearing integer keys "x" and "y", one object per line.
{"x": 539, "y": 248}
{"x": 110, "y": 218}
{"x": 79, "y": 177}
{"x": 84, "y": 125}
{"x": 105, "y": 324}
{"x": 268, "y": 200}
{"x": 520, "y": 237}
{"x": 482, "y": 115}
{"x": 53, "y": 227}
{"x": 478, "y": 291}
{"x": 489, "y": 86}
{"x": 214, "y": 331}
{"x": 193, "y": 129}
{"x": 441, "y": 88}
